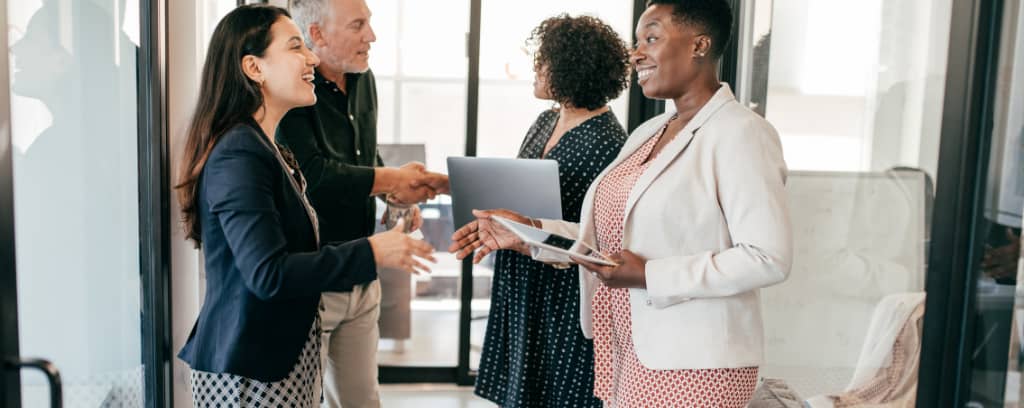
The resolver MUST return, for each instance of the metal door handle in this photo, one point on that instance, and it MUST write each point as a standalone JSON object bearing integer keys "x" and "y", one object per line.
{"x": 48, "y": 369}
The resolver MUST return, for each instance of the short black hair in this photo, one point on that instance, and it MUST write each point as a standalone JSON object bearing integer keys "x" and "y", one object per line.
{"x": 715, "y": 16}
{"x": 587, "y": 62}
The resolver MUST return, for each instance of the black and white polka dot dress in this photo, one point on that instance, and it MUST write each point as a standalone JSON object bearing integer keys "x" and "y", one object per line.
{"x": 534, "y": 351}
{"x": 300, "y": 389}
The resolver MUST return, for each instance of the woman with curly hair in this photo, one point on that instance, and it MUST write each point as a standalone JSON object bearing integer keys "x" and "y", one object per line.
{"x": 693, "y": 212}
{"x": 534, "y": 352}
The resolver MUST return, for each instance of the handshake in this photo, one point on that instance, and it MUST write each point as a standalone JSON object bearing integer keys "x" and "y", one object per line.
{"x": 411, "y": 183}
{"x": 405, "y": 186}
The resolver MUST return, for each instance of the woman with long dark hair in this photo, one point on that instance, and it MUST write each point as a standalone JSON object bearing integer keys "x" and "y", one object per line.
{"x": 256, "y": 341}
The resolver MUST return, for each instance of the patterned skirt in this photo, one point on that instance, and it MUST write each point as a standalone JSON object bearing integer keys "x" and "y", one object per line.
{"x": 301, "y": 388}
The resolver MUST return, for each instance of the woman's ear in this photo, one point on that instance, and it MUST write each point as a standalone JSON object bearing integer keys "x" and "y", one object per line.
{"x": 701, "y": 46}
{"x": 251, "y": 68}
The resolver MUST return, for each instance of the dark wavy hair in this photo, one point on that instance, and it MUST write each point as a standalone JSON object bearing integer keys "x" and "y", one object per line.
{"x": 227, "y": 97}
{"x": 587, "y": 62}
{"x": 714, "y": 16}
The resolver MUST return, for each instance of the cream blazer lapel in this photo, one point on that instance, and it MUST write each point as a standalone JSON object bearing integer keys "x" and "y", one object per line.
{"x": 676, "y": 147}
{"x": 639, "y": 136}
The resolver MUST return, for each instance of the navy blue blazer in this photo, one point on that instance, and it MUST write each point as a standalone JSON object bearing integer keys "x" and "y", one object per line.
{"x": 264, "y": 266}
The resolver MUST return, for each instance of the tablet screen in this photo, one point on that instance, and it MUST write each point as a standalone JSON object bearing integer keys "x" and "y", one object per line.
{"x": 559, "y": 241}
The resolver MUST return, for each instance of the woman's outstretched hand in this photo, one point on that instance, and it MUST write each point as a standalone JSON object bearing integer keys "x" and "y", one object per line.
{"x": 485, "y": 235}
{"x": 395, "y": 249}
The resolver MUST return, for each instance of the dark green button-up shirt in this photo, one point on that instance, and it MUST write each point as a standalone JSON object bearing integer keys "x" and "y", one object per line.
{"x": 335, "y": 143}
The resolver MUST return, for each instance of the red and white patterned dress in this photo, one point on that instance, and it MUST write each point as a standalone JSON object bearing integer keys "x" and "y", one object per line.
{"x": 619, "y": 377}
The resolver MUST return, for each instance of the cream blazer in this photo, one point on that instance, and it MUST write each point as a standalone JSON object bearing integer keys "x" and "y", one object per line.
{"x": 710, "y": 216}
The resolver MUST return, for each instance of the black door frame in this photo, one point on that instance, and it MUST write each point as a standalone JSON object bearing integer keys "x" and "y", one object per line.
{"x": 10, "y": 380}
{"x": 154, "y": 206}
{"x": 944, "y": 374}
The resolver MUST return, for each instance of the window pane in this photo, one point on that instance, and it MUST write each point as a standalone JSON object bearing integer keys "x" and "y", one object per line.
{"x": 73, "y": 101}
{"x": 434, "y": 113}
{"x": 384, "y": 52}
{"x": 507, "y": 106}
{"x": 432, "y": 116}
{"x": 421, "y": 67}
{"x": 505, "y": 26}
{"x": 502, "y": 128}
{"x": 387, "y": 119}
{"x": 857, "y": 86}
{"x": 433, "y": 38}
{"x": 855, "y": 91}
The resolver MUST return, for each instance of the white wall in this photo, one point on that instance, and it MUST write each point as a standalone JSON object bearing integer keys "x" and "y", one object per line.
{"x": 184, "y": 48}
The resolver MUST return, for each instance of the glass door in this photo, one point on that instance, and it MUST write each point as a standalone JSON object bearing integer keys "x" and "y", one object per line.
{"x": 856, "y": 92}
{"x": 69, "y": 176}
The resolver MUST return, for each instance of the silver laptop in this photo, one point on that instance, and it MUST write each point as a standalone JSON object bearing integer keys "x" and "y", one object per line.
{"x": 527, "y": 186}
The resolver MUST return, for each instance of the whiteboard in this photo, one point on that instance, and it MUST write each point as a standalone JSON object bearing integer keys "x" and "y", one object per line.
{"x": 857, "y": 237}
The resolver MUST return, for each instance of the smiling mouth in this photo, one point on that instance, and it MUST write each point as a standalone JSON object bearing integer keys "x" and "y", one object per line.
{"x": 643, "y": 73}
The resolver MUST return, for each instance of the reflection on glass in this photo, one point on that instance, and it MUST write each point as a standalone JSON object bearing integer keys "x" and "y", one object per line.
{"x": 76, "y": 199}
{"x": 999, "y": 312}
{"x": 857, "y": 280}
{"x": 857, "y": 86}
{"x": 855, "y": 91}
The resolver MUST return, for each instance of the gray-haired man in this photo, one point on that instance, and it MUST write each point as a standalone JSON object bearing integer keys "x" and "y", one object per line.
{"x": 335, "y": 143}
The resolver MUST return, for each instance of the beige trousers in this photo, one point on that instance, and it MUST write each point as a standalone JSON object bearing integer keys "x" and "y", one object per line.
{"x": 348, "y": 353}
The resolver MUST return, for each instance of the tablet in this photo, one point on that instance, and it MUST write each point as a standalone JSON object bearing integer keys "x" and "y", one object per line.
{"x": 526, "y": 186}
{"x": 538, "y": 238}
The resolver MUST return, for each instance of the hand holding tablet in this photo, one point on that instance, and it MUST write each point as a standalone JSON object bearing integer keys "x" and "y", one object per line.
{"x": 559, "y": 245}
